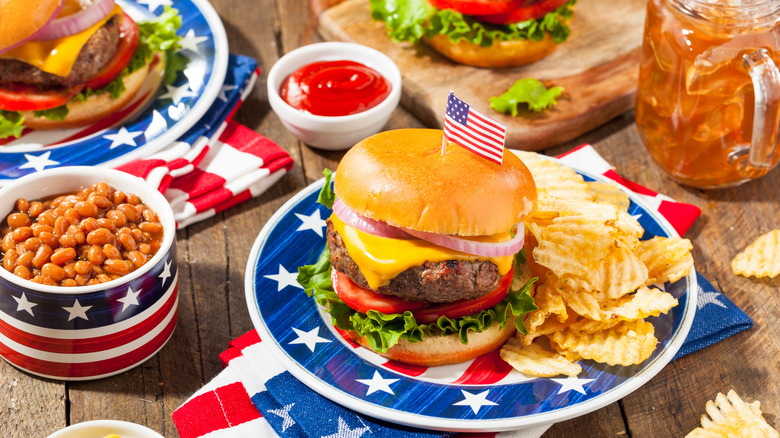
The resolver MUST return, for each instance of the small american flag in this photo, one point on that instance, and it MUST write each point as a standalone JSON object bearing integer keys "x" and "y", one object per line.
{"x": 473, "y": 130}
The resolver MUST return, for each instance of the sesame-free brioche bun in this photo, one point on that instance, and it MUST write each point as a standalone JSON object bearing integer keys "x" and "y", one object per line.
{"x": 499, "y": 54}
{"x": 20, "y": 20}
{"x": 99, "y": 106}
{"x": 401, "y": 177}
{"x": 445, "y": 350}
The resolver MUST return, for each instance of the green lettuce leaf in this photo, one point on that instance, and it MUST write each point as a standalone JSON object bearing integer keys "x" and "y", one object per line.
{"x": 385, "y": 330}
{"x": 327, "y": 197}
{"x": 410, "y": 20}
{"x": 11, "y": 124}
{"x": 58, "y": 113}
{"x": 526, "y": 91}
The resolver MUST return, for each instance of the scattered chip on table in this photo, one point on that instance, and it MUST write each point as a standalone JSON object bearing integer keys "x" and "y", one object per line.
{"x": 729, "y": 416}
{"x": 761, "y": 258}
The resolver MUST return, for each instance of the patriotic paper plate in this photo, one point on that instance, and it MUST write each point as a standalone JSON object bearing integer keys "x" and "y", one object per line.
{"x": 480, "y": 395}
{"x": 166, "y": 114}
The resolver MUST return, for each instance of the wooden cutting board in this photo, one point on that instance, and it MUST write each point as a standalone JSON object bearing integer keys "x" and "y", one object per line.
{"x": 597, "y": 67}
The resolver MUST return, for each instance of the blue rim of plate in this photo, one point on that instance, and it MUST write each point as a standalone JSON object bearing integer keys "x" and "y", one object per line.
{"x": 204, "y": 76}
{"x": 290, "y": 239}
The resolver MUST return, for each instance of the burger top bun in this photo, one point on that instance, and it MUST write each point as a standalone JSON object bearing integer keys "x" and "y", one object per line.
{"x": 401, "y": 177}
{"x": 20, "y": 20}
{"x": 499, "y": 54}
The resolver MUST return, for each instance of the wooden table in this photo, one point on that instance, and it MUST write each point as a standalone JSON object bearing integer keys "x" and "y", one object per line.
{"x": 213, "y": 255}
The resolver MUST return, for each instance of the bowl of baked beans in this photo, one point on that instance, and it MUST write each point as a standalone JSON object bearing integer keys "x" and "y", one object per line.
{"x": 88, "y": 283}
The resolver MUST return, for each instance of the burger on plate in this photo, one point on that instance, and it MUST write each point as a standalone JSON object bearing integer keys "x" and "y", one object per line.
{"x": 423, "y": 248}
{"x": 68, "y": 63}
{"x": 482, "y": 33}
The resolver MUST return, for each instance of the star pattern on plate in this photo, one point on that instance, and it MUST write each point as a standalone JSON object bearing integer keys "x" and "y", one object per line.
{"x": 378, "y": 383}
{"x": 177, "y": 94}
{"x": 130, "y": 299}
{"x": 706, "y": 298}
{"x": 284, "y": 414}
{"x": 344, "y": 431}
{"x": 572, "y": 384}
{"x": 156, "y": 127}
{"x": 284, "y": 279}
{"x": 38, "y": 162}
{"x": 77, "y": 311}
{"x": 190, "y": 42}
{"x": 475, "y": 401}
{"x": 166, "y": 273}
{"x": 154, "y": 4}
{"x": 23, "y": 305}
{"x": 313, "y": 222}
{"x": 123, "y": 137}
{"x": 310, "y": 338}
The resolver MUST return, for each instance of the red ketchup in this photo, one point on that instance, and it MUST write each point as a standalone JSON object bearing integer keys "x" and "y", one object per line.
{"x": 334, "y": 88}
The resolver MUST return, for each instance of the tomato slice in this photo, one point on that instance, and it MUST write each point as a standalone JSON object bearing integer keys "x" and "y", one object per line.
{"x": 30, "y": 98}
{"x": 530, "y": 11}
{"x": 478, "y": 7}
{"x": 128, "y": 41}
{"x": 459, "y": 309}
{"x": 363, "y": 300}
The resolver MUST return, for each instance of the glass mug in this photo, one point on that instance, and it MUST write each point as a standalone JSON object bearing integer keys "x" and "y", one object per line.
{"x": 708, "y": 96}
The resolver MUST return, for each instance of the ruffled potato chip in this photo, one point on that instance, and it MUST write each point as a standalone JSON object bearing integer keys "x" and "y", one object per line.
{"x": 608, "y": 193}
{"x": 667, "y": 259}
{"x": 730, "y": 416}
{"x": 535, "y": 361}
{"x": 761, "y": 258}
{"x": 628, "y": 343}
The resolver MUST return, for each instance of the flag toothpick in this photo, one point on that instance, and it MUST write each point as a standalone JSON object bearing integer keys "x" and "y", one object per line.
{"x": 473, "y": 130}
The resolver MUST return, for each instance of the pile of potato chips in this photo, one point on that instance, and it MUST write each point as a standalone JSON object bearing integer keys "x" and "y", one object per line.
{"x": 595, "y": 276}
{"x": 730, "y": 416}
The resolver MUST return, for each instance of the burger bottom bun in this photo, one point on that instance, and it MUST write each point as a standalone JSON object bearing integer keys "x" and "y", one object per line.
{"x": 446, "y": 350}
{"x": 100, "y": 106}
{"x": 499, "y": 54}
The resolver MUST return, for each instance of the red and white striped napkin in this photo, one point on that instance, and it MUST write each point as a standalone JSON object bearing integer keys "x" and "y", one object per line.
{"x": 224, "y": 407}
{"x": 212, "y": 169}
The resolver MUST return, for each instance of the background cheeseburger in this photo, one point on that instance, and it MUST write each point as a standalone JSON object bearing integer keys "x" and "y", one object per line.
{"x": 67, "y": 63}
{"x": 482, "y": 33}
{"x": 421, "y": 248}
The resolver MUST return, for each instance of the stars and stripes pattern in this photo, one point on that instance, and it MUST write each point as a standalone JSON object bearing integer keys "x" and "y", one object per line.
{"x": 474, "y": 130}
{"x": 76, "y": 335}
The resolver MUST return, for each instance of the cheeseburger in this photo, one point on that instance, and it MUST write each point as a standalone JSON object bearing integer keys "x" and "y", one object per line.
{"x": 482, "y": 33}
{"x": 421, "y": 248}
{"x": 68, "y": 63}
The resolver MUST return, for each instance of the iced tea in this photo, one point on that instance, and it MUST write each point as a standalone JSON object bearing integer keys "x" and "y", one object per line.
{"x": 695, "y": 98}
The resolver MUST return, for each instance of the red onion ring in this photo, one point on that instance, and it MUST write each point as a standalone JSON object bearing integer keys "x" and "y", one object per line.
{"x": 368, "y": 225}
{"x": 36, "y": 33}
{"x": 75, "y": 23}
{"x": 383, "y": 229}
{"x": 485, "y": 249}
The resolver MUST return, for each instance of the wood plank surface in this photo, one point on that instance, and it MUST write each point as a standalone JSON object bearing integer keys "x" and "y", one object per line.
{"x": 213, "y": 254}
{"x": 597, "y": 67}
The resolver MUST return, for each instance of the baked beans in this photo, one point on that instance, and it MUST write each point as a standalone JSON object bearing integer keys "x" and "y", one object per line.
{"x": 83, "y": 238}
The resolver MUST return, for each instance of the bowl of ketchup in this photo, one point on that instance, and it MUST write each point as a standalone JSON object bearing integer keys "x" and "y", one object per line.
{"x": 332, "y": 95}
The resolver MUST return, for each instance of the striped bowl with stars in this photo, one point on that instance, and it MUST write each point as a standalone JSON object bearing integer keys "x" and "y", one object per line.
{"x": 89, "y": 332}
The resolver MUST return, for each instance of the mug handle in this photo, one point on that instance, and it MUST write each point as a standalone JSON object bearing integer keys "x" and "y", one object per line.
{"x": 766, "y": 116}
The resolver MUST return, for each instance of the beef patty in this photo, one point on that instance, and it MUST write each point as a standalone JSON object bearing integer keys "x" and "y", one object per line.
{"x": 436, "y": 282}
{"x": 93, "y": 55}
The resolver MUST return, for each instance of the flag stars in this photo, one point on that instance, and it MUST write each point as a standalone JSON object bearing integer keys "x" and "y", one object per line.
{"x": 378, "y": 383}
{"x": 166, "y": 273}
{"x": 123, "y": 137}
{"x": 131, "y": 299}
{"x": 23, "y": 305}
{"x": 313, "y": 222}
{"x": 190, "y": 42}
{"x": 706, "y": 298}
{"x": 38, "y": 162}
{"x": 344, "y": 431}
{"x": 284, "y": 279}
{"x": 176, "y": 94}
{"x": 475, "y": 401}
{"x": 284, "y": 414}
{"x": 77, "y": 311}
{"x": 572, "y": 384}
{"x": 310, "y": 338}
{"x": 223, "y": 93}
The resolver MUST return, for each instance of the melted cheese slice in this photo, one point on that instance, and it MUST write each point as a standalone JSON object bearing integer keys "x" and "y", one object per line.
{"x": 57, "y": 56}
{"x": 380, "y": 259}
